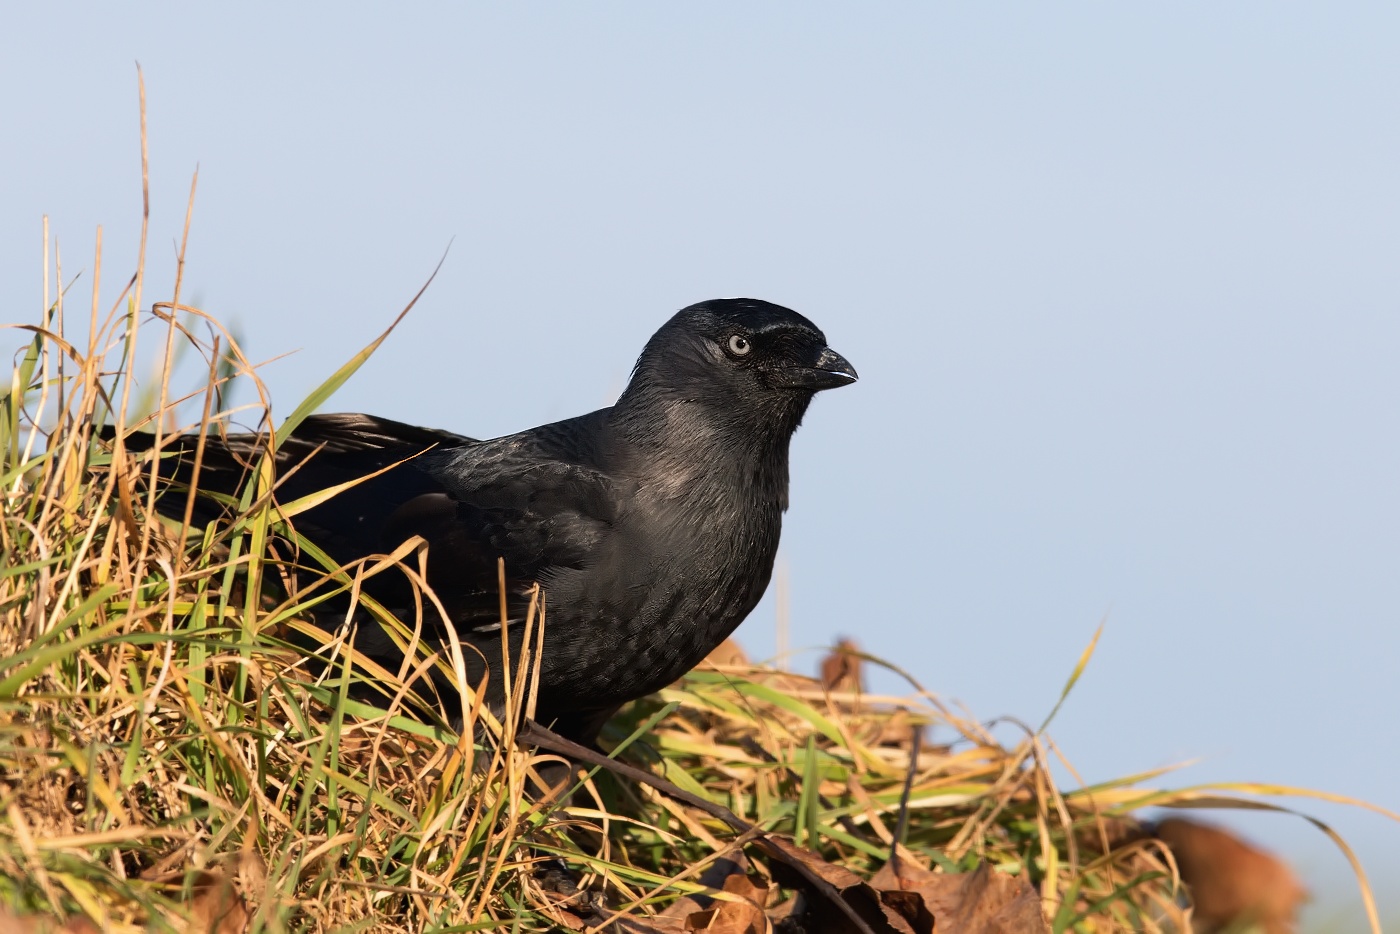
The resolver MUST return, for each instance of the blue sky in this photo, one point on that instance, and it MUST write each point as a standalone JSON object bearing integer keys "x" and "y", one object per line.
{"x": 1121, "y": 282}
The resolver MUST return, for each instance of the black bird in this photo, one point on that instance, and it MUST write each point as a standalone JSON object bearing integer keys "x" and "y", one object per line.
{"x": 651, "y": 525}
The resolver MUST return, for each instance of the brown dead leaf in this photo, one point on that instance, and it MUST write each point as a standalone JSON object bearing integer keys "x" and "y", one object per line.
{"x": 713, "y": 877}
{"x": 29, "y": 924}
{"x": 907, "y": 875}
{"x": 728, "y": 918}
{"x": 980, "y": 902}
{"x": 728, "y": 654}
{"x": 40, "y": 924}
{"x": 898, "y": 886}
{"x": 250, "y": 869}
{"x": 840, "y": 669}
{"x": 653, "y": 925}
{"x": 822, "y": 916}
{"x": 1231, "y": 882}
{"x": 744, "y": 886}
{"x": 216, "y": 907}
{"x": 567, "y": 918}
{"x": 743, "y": 916}
{"x": 791, "y": 854}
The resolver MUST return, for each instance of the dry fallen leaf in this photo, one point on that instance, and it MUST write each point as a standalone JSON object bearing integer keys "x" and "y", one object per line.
{"x": 980, "y": 902}
{"x": 40, "y": 924}
{"x": 217, "y": 908}
{"x": 713, "y": 876}
{"x": 728, "y": 654}
{"x": 841, "y": 669}
{"x": 1231, "y": 882}
{"x": 897, "y": 916}
{"x": 14, "y": 924}
{"x": 744, "y": 916}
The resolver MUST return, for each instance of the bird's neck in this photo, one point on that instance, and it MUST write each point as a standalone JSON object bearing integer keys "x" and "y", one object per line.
{"x": 681, "y": 445}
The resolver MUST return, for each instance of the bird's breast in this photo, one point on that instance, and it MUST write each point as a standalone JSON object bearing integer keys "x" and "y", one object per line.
{"x": 705, "y": 570}
{"x": 681, "y": 569}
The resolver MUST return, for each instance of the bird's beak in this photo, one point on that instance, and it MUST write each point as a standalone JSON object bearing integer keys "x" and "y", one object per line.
{"x": 828, "y": 371}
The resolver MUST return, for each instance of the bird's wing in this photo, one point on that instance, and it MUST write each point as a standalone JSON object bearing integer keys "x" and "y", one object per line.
{"x": 389, "y": 500}
{"x": 323, "y": 451}
{"x": 351, "y": 431}
{"x": 541, "y": 515}
{"x": 524, "y": 500}
{"x": 478, "y": 506}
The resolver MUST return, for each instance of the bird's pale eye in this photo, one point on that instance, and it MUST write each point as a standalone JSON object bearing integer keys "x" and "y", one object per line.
{"x": 739, "y": 345}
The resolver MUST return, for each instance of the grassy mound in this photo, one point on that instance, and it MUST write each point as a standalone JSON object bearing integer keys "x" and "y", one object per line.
{"x": 169, "y": 760}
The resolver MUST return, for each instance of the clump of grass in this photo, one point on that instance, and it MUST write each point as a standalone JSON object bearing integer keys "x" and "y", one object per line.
{"x": 159, "y": 733}
{"x": 169, "y": 760}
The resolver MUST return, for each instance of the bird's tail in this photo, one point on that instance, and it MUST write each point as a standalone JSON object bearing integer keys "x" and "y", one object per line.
{"x": 216, "y": 467}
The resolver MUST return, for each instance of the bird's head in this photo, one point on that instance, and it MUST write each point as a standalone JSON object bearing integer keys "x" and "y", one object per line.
{"x": 722, "y": 386}
{"x": 741, "y": 355}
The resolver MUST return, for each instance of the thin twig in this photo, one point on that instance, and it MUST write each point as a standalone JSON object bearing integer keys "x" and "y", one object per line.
{"x": 536, "y": 735}
{"x": 901, "y": 824}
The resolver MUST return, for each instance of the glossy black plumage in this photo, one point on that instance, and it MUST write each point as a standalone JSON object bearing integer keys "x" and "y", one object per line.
{"x": 651, "y": 525}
